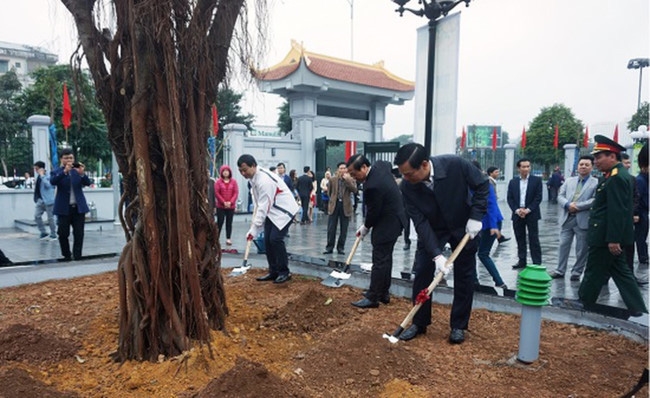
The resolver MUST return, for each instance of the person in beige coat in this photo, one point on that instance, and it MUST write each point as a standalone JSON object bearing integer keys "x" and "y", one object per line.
{"x": 339, "y": 209}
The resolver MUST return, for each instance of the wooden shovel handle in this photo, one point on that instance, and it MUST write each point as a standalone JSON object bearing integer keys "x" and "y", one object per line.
{"x": 248, "y": 249}
{"x": 354, "y": 249}
{"x": 248, "y": 242}
{"x": 434, "y": 283}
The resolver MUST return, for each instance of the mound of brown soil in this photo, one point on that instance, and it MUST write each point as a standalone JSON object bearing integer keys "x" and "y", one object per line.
{"x": 16, "y": 383}
{"x": 312, "y": 311}
{"x": 359, "y": 360}
{"x": 244, "y": 380}
{"x": 298, "y": 339}
{"x": 25, "y": 343}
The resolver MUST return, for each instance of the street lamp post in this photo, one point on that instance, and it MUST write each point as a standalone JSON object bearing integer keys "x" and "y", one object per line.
{"x": 432, "y": 10}
{"x": 638, "y": 63}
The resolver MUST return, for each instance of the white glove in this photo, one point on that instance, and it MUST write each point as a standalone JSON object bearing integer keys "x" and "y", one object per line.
{"x": 441, "y": 262}
{"x": 362, "y": 231}
{"x": 473, "y": 227}
{"x": 252, "y": 232}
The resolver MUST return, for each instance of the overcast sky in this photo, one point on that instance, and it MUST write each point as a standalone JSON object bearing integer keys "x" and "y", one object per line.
{"x": 516, "y": 56}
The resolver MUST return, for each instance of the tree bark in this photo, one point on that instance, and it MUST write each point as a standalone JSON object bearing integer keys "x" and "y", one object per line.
{"x": 156, "y": 76}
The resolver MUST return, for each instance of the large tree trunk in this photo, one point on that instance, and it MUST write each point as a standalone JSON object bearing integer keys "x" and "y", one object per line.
{"x": 156, "y": 76}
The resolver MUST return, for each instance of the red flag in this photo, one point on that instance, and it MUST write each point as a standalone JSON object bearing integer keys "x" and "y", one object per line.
{"x": 67, "y": 110}
{"x": 215, "y": 120}
{"x": 556, "y": 138}
{"x": 463, "y": 139}
{"x": 523, "y": 138}
{"x": 350, "y": 149}
{"x": 616, "y": 134}
{"x": 585, "y": 140}
{"x": 494, "y": 138}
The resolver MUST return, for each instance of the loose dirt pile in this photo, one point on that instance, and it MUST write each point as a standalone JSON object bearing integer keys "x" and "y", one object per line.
{"x": 299, "y": 339}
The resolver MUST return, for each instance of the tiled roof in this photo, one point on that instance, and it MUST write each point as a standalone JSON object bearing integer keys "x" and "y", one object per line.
{"x": 279, "y": 72}
{"x": 336, "y": 69}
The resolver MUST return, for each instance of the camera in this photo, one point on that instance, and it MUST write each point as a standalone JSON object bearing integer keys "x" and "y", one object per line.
{"x": 76, "y": 165}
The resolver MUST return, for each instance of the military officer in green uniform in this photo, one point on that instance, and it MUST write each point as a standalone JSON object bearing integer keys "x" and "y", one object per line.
{"x": 610, "y": 229}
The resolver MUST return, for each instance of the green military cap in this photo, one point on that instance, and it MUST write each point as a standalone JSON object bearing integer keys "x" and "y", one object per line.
{"x": 606, "y": 144}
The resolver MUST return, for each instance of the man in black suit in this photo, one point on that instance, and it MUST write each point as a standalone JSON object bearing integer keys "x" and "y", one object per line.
{"x": 304, "y": 186}
{"x": 446, "y": 197}
{"x": 524, "y": 197}
{"x": 384, "y": 210}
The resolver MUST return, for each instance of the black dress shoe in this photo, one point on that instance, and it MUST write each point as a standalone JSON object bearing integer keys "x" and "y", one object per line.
{"x": 555, "y": 275}
{"x": 267, "y": 277}
{"x": 328, "y": 251}
{"x": 503, "y": 239}
{"x": 339, "y": 251}
{"x": 384, "y": 299}
{"x": 456, "y": 336}
{"x": 412, "y": 331}
{"x": 519, "y": 266}
{"x": 407, "y": 246}
{"x": 282, "y": 278}
{"x": 365, "y": 303}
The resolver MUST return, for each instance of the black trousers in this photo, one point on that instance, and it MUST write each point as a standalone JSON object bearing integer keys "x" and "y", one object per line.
{"x": 304, "y": 202}
{"x": 552, "y": 194}
{"x": 464, "y": 277}
{"x": 406, "y": 223}
{"x": 382, "y": 267}
{"x": 640, "y": 236}
{"x": 77, "y": 221}
{"x": 276, "y": 250}
{"x": 519, "y": 225}
{"x": 336, "y": 216}
{"x": 227, "y": 215}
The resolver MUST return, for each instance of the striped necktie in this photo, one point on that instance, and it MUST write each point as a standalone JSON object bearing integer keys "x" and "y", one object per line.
{"x": 578, "y": 189}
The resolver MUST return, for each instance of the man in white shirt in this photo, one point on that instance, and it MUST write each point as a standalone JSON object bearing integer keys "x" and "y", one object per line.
{"x": 276, "y": 207}
{"x": 524, "y": 197}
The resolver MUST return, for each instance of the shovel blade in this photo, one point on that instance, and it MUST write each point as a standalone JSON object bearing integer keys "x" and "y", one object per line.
{"x": 331, "y": 281}
{"x": 239, "y": 271}
{"x": 340, "y": 275}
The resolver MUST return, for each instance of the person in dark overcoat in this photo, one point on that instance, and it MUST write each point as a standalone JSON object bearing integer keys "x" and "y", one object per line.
{"x": 446, "y": 197}
{"x": 384, "y": 213}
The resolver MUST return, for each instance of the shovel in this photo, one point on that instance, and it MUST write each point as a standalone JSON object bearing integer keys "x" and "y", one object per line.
{"x": 336, "y": 278}
{"x": 245, "y": 266}
{"x": 425, "y": 294}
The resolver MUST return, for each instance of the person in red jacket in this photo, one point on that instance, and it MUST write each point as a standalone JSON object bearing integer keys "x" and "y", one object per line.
{"x": 226, "y": 192}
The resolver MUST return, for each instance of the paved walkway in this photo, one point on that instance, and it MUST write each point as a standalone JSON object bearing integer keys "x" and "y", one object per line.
{"x": 37, "y": 259}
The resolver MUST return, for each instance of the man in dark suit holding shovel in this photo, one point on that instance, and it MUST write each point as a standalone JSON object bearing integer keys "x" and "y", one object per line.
{"x": 437, "y": 194}
{"x": 384, "y": 210}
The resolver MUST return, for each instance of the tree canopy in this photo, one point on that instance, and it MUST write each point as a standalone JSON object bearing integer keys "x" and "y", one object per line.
{"x": 230, "y": 111}
{"x": 87, "y": 133}
{"x": 15, "y": 142}
{"x": 640, "y": 117}
{"x": 540, "y": 135}
{"x": 284, "y": 120}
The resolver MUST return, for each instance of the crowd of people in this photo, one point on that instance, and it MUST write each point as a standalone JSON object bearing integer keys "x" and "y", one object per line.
{"x": 446, "y": 198}
{"x": 588, "y": 214}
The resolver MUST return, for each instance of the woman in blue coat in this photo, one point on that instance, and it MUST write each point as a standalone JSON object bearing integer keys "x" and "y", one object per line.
{"x": 491, "y": 231}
